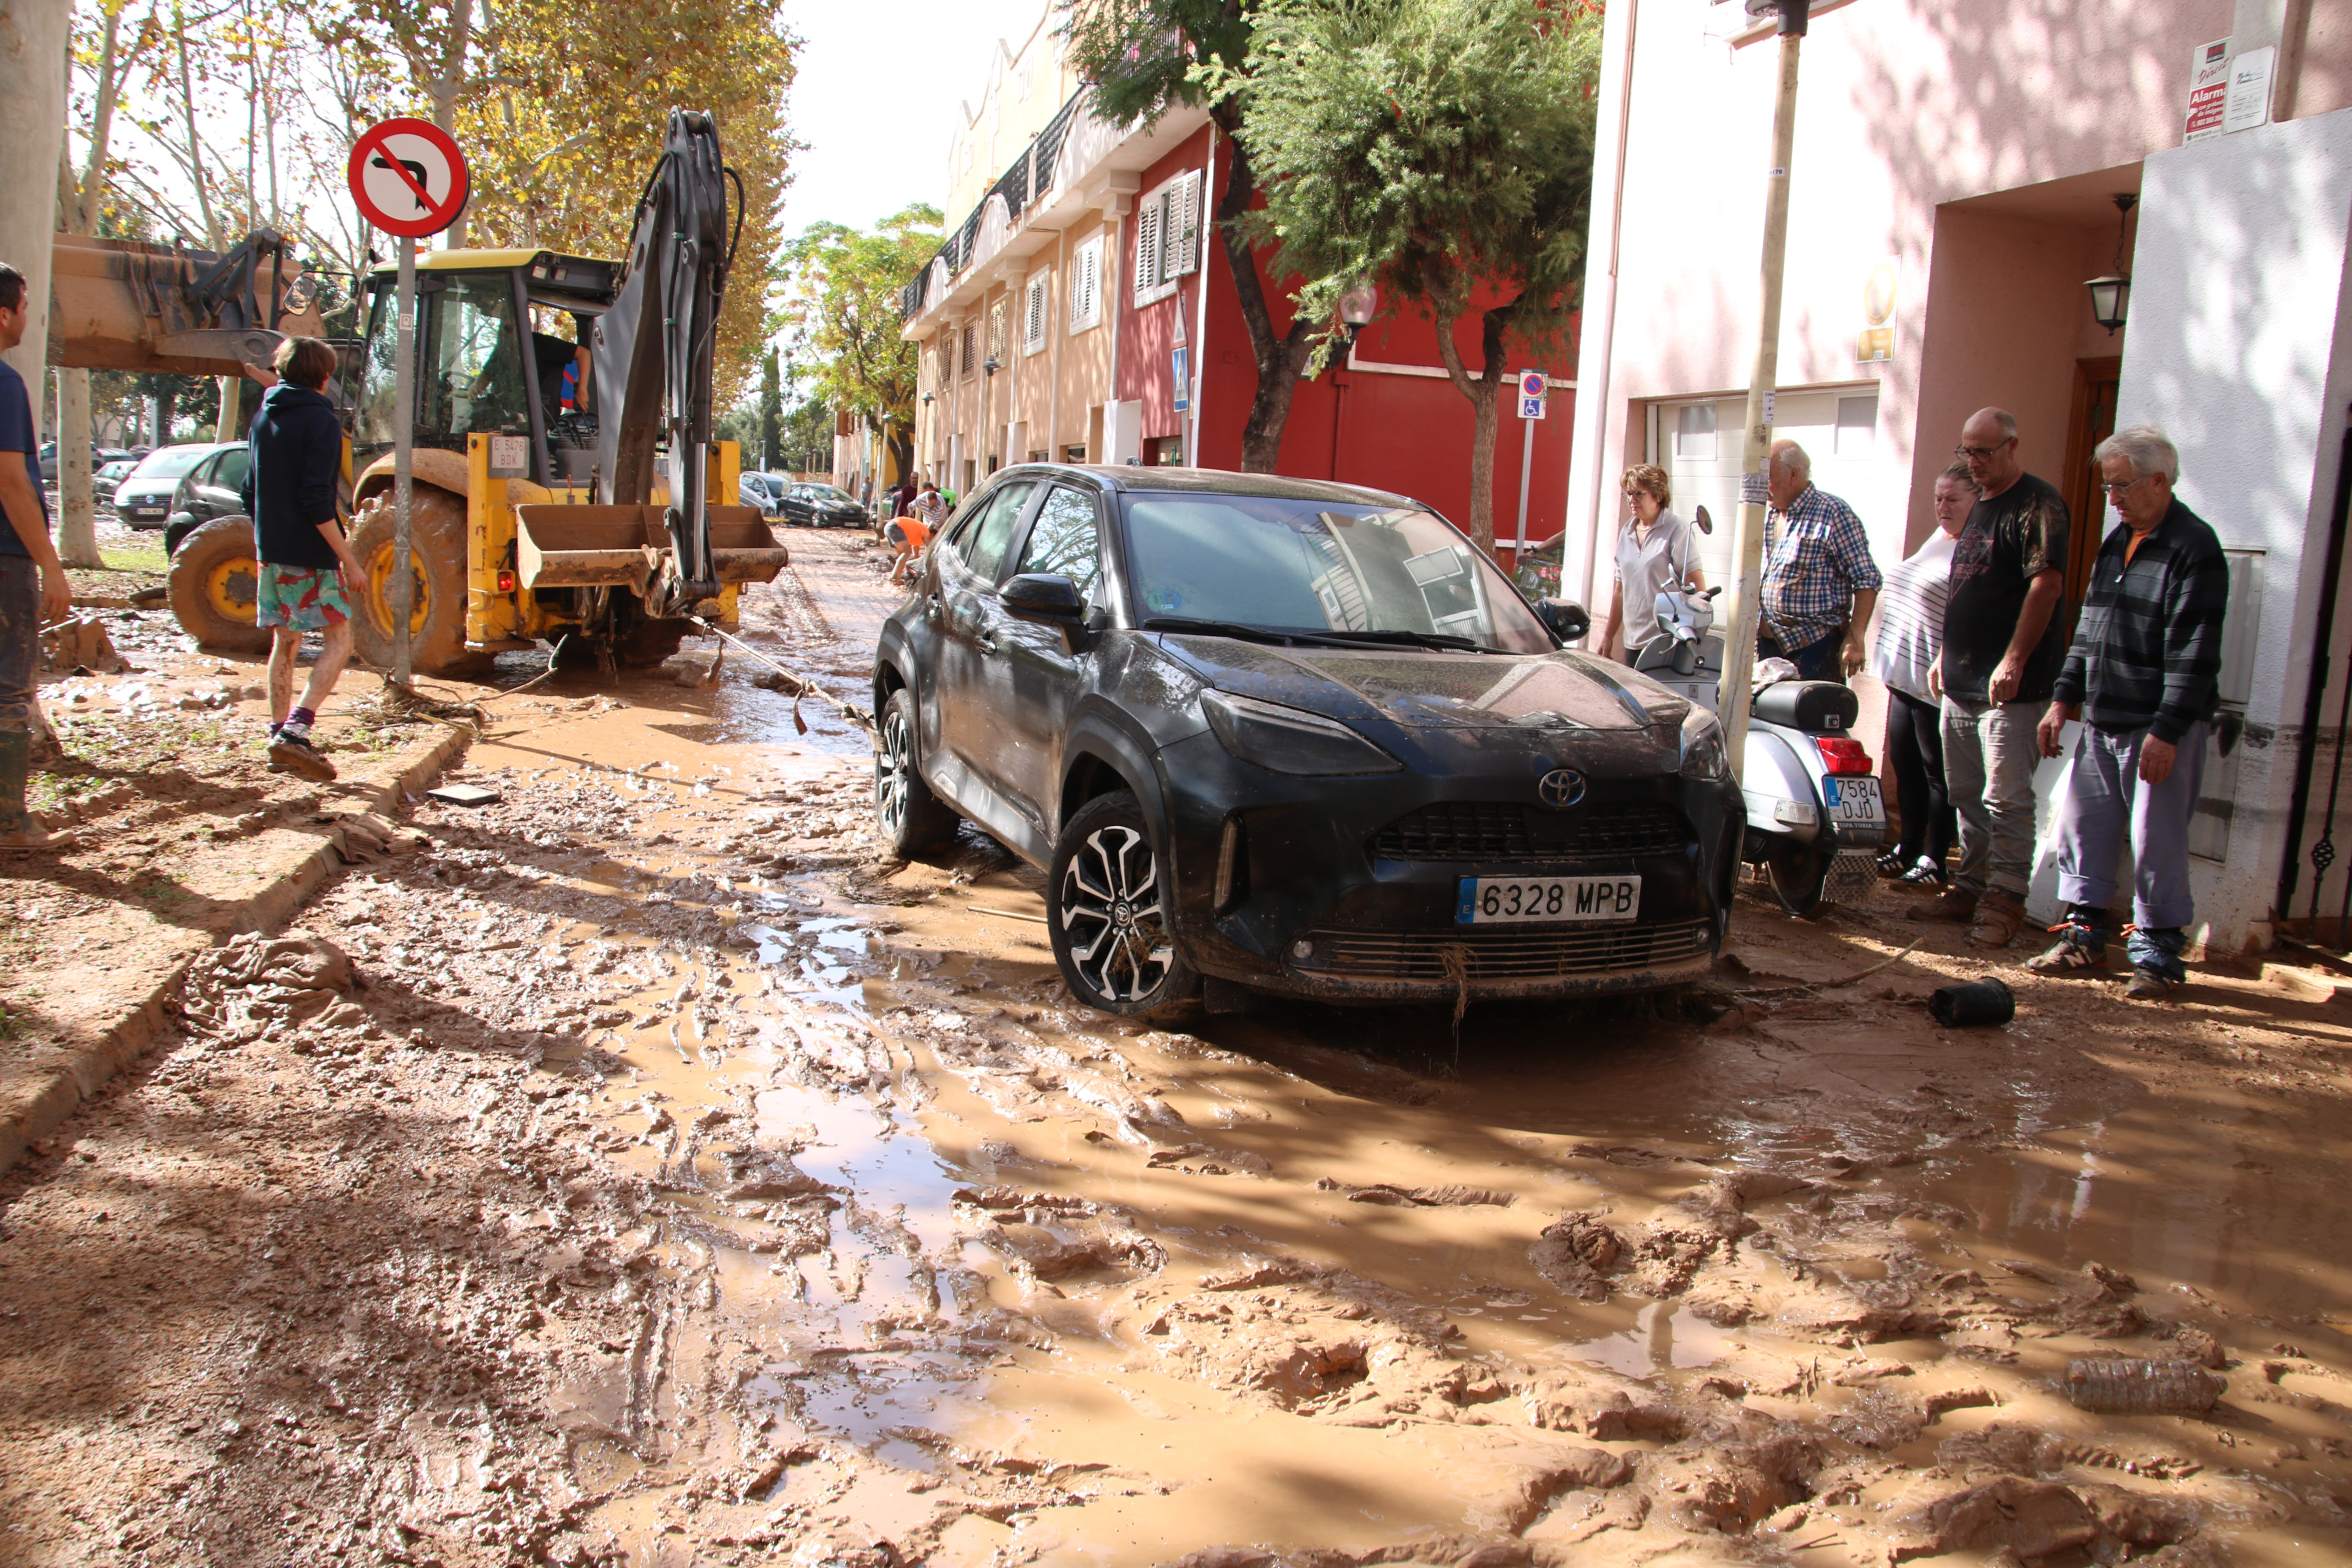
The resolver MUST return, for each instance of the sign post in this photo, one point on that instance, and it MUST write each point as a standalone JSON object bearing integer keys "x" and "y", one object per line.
{"x": 409, "y": 179}
{"x": 1532, "y": 384}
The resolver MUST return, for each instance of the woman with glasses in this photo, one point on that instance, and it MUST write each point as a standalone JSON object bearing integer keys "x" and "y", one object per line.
{"x": 1655, "y": 551}
{"x": 1910, "y": 638}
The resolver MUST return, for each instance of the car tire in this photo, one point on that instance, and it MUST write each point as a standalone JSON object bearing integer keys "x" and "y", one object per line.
{"x": 913, "y": 820}
{"x": 215, "y": 586}
{"x": 436, "y": 555}
{"x": 1797, "y": 874}
{"x": 1108, "y": 908}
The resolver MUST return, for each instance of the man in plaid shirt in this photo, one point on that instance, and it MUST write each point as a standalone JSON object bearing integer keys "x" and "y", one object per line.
{"x": 1820, "y": 583}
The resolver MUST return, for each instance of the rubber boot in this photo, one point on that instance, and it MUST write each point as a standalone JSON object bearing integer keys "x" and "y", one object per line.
{"x": 17, "y": 828}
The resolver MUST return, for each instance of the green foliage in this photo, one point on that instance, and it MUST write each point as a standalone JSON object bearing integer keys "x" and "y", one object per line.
{"x": 1145, "y": 57}
{"x": 807, "y": 438}
{"x": 1432, "y": 145}
{"x": 771, "y": 410}
{"x": 1438, "y": 148}
{"x": 842, "y": 305}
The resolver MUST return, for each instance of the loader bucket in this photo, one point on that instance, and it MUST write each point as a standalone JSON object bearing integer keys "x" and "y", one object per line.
{"x": 559, "y": 546}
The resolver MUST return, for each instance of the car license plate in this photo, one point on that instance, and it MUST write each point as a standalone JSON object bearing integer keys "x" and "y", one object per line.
{"x": 1855, "y": 800}
{"x": 1505, "y": 900}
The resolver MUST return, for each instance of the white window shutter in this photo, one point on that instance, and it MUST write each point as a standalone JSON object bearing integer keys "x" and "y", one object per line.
{"x": 1085, "y": 272}
{"x": 1147, "y": 243}
{"x": 1184, "y": 225}
{"x": 1032, "y": 317}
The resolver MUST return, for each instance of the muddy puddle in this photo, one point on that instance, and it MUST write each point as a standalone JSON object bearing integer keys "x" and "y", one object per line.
{"x": 969, "y": 1275}
{"x": 811, "y": 1221}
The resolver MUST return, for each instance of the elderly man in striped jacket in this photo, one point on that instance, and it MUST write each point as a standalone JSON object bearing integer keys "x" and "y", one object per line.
{"x": 2144, "y": 671}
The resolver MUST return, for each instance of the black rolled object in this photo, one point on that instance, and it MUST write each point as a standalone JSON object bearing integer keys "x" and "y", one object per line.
{"x": 1816, "y": 707}
{"x": 1980, "y": 1002}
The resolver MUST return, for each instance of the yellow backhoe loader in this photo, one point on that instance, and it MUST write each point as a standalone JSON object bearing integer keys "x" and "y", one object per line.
{"x": 560, "y": 455}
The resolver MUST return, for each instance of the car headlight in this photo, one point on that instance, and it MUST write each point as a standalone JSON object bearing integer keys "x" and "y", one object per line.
{"x": 1704, "y": 756}
{"x": 1290, "y": 740}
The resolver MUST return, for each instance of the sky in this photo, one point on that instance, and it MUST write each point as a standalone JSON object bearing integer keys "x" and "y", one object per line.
{"x": 879, "y": 93}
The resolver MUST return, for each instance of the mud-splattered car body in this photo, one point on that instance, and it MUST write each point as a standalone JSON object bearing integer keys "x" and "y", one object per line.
{"x": 1351, "y": 878}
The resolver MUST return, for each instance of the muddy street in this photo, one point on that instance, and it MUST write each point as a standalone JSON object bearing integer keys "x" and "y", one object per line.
{"x": 639, "y": 1169}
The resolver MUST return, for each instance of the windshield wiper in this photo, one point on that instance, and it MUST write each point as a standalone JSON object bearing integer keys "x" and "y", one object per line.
{"x": 1445, "y": 640}
{"x": 1239, "y": 629}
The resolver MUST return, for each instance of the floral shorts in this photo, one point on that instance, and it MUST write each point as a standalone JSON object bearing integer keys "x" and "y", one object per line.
{"x": 304, "y": 597}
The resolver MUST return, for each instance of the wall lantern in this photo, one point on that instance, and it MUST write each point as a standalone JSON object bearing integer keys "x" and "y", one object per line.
{"x": 989, "y": 365}
{"x": 1356, "y": 307}
{"x": 927, "y": 399}
{"x": 2111, "y": 295}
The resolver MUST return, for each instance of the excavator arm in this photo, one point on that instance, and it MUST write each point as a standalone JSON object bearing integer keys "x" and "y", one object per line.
{"x": 653, "y": 352}
{"x": 118, "y": 304}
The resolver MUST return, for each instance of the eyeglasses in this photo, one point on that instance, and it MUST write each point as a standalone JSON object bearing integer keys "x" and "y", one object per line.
{"x": 2117, "y": 492}
{"x": 1977, "y": 454}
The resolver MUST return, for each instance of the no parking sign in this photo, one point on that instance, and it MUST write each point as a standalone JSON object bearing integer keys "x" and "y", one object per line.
{"x": 1532, "y": 384}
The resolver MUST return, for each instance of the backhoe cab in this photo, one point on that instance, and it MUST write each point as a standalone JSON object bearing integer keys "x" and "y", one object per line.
{"x": 562, "y": 458}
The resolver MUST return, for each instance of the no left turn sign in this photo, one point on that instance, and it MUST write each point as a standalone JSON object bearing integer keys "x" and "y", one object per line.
{"x": 408, "y": 177}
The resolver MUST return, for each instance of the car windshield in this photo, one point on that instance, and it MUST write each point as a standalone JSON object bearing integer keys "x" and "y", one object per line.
{"x": 1349, "y": 571}
{"x": 171, "y": 462}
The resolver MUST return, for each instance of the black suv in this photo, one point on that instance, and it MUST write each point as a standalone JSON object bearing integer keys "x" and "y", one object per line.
{"x": 1294, "y": 738}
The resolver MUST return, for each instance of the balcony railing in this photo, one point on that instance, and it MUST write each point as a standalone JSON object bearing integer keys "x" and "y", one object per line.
{"x": 1031, "y": 176}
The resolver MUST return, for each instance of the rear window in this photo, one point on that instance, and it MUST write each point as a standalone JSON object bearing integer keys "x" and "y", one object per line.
{"x": 171, "y": 462}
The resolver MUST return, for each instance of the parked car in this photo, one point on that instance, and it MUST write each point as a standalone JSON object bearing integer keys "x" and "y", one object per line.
{"x": 98, "y": 458}
{"x": 815, "y": 505}
{"x": 144, "y": 499}
{"x": 113, "y": 473}
{"x": 1270, "y": 735}
{"x": 213, "y": 487}
{"x": 762, "y": 490}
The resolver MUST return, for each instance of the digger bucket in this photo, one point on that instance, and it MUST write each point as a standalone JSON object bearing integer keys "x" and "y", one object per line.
{"x": 559, "y": 546}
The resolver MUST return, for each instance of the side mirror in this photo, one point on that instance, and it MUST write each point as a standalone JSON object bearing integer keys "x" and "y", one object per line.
{"x": 1700, "y": 521}
{"x": 1046, "y": 596}
{"x": 1566, "y": 618}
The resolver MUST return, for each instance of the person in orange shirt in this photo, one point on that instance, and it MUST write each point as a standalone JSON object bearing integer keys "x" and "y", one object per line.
{"x": 906, "y": 536}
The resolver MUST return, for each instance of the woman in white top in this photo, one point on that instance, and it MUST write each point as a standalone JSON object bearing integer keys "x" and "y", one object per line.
{"x": 1655, "y": 551}
{"x": 1910, "y": 635}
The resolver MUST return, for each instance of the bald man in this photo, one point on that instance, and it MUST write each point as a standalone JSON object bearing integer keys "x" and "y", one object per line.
{"x": 2003, "y": 643}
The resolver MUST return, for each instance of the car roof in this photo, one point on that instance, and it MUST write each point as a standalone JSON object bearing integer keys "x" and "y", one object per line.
{"x": 1130, "y": 478}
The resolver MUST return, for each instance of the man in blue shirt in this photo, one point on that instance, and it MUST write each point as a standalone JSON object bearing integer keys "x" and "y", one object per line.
{"x": 33, "y": 587}
{"x": 1820, "y": 583}
{"x": 307, "y": 569}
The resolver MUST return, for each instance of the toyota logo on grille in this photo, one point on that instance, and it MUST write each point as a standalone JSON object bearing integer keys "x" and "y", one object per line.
{"x": 1560, "y": 788}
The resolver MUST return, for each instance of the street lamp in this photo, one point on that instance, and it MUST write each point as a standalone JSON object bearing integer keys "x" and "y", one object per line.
{"x": 989, "y": 365}
{"x": 2111, "y": 295}
{"x": 1356, "y": 307}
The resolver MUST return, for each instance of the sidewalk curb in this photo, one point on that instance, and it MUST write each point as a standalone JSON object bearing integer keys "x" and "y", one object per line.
{"x": 40, "y": 1105}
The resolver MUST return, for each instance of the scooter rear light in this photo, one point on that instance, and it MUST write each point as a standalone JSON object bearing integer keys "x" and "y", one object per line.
{"x": 1844, "y": 757}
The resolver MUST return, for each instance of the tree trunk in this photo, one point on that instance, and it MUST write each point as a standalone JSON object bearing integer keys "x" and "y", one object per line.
{"x": 1279, "y": 358}
{"x": 1485, "y": 393}
{"x": 77, "y": 506}
{"x": 229, "y": 425}
{"x": 444, "y": 93}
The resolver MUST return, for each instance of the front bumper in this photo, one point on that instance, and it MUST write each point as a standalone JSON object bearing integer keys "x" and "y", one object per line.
{"x": 1337, "y": 889}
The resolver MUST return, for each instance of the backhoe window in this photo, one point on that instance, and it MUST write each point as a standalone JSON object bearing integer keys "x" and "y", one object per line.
{"x": 468, "y": 362}
{"x": 475, "y": 377}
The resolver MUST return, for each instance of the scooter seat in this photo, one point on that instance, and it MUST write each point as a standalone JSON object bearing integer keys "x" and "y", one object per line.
{"x": 1816, "y": 707}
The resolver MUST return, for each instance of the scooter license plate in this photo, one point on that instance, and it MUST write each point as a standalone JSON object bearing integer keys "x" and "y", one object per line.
{"x": 1508, "y": 900}
{"x": 1855, "y": 800}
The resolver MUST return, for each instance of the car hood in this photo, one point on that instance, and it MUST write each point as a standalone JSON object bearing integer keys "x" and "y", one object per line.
{"x": 1562, "y": 690}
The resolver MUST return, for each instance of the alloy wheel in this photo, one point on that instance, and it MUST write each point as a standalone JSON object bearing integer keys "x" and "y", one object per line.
{"x": 894, "y": 762}
{"x": 1112, "y": 916}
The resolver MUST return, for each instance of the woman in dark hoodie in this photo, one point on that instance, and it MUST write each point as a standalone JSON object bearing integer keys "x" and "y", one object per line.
{"x": 309, "y": 574}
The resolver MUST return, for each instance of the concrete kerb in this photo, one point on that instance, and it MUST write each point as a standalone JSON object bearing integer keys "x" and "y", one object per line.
{"x": 37, "y": 1105}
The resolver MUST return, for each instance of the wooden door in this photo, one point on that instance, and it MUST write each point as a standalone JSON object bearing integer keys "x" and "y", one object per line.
{"x": 2094, "y": 420}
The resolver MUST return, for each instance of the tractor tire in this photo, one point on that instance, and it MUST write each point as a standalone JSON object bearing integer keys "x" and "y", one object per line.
{"x": 437, "y": 543}
{"x": 214, "y": 582}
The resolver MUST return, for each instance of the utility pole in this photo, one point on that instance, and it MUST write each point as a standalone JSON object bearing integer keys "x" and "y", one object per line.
{"x": 1732, "y": 697}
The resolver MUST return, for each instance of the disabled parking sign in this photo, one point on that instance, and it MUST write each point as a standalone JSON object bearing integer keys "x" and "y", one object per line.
{"x": 1532, "y": 386}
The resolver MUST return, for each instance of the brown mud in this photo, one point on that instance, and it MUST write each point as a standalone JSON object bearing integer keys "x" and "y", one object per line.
{"x": 638, "y": 1170}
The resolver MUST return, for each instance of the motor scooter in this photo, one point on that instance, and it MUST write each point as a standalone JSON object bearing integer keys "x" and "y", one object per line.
{"x": 1816, "y": 815}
